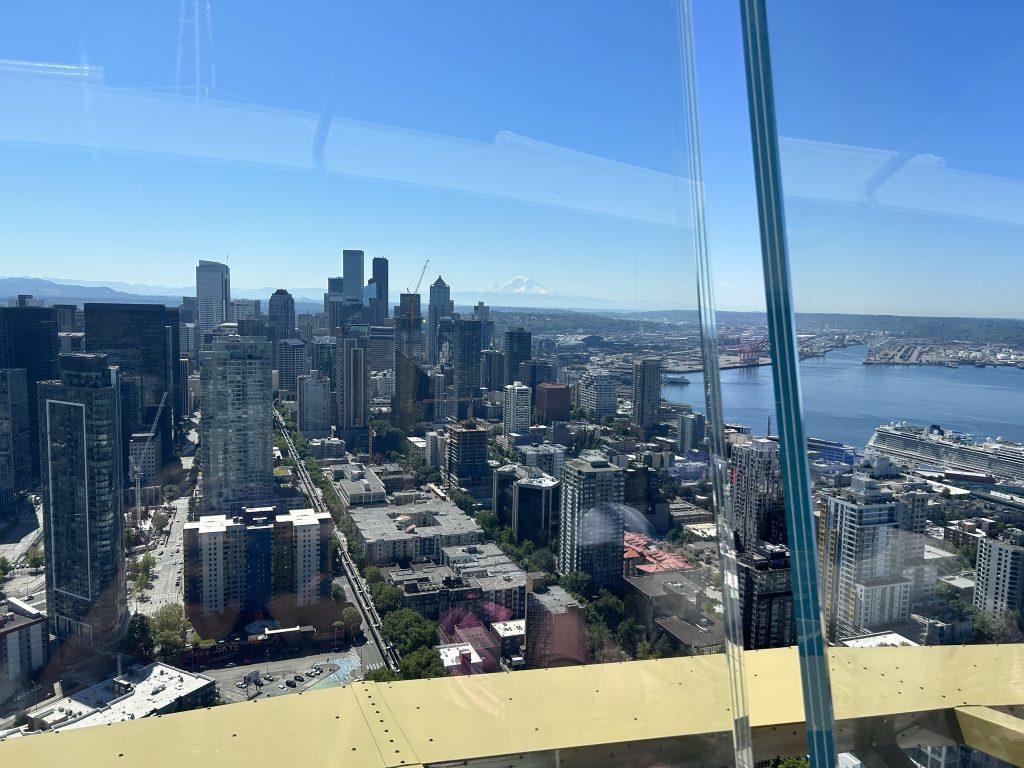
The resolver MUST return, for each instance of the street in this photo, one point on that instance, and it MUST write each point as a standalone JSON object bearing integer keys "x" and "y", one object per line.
{"x": 167, "y": 573}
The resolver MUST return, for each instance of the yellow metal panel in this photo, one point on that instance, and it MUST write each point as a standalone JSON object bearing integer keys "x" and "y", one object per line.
{"x": 995, "y": 733}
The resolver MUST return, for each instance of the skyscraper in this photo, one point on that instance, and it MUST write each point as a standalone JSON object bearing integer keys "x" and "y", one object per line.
{"x": 593, "y": 521}
{"x": 482, "y": 313}
{"x": 352, "y": 375}
{"x": 83, "y": 527}
{"x": 213, "y": 295}
{"x": 596, "y": 394}
{"x": 492, "y": 369}
{"x": 15, "y": 443}
{"x": 281, "y": 316}
{"x": 28, "y": 339}
{"x": 352, "y": 272}
{"x": 758, "y": 508}
{"x": 245, "y": 308}
{"x": 517, "y": 349}
{"x": 551, "y": 402}
{"x": 410, "y": 382}
{"x": 292, "y": 359}
{"x": 236, "y": 427}
{"x": 440, "y": 305}
{"x": 141, "y": 340}
{"x": 378, "y": 304}
{"x": 466, "y": 364}
{"x": 999, "y": 585}
{"x": 690, "y": 430}
{"x": 647, "y": 393}
{"x": 466, "y": 460}
{"x": 516, "y": 410}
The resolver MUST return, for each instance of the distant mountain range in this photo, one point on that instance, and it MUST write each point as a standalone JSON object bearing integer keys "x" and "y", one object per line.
{"x": 519, "y": 292}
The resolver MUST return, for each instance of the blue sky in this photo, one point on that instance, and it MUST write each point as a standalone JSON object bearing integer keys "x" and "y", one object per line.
{"x": 529, "y": 138}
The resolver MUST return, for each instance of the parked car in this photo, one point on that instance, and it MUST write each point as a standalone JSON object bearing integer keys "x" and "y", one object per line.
{"x": 290, "y": 683}
{"x": 299, "y": 679}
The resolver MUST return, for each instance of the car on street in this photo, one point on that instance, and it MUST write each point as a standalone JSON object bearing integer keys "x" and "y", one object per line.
{"x": 240, "y": 684}
{"x": 268, "y": 677}
{"x": 281, "y": 686}
{"x": 290, "y": 683}
{"x": 299, "y": 679}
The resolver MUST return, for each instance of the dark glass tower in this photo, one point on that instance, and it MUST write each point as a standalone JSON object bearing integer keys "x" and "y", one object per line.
{"x": 378, "y": 309}
{"x": 517, "y": 350}
{"x": 466, "y": 364}
{"x": 15, "y": 445}
{"x": 28, "y": 339}
{"x": 83, "y": 526}
{"x": 440, "y": 305}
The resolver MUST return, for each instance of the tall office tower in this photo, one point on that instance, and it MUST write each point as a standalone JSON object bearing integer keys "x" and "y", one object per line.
{"x": 335, "y": 287}
{"x": 516, "y": 410}
{"x": 527, "y": 499}
{"x": 440, "y": 305}
{"x": 263, "y": 563}
{"x": 999, "y": 585}
{"x": 517, "y": 349}
{"x": 352, "y": 271}
{"x": 281, "y": 316}
{"x": 482, "y": 313}
{"x": 188, "y": 317}
{"x": 28, "y": 339}
{"x": 758, "y": 509}
{"x": 444, "y": 341}
{"x": 766, "y": 597}
{"x": 647, "y": 393}
{"x": 188, "y": 310}
{"x": 307, "y": 326}
{"x": 596, "y": 393}
{"x": 378, "y": 302}
{"x": 534, "y": 371}
{"x": 314, "y": 396}
{"x": 381, "y": 348}
{"x": 861, "y": 556}
{"x": 142, "y": 341}
{"x": 292, "y": 361}
{"x": 213, "y": 295}
{"x": 246, "y": 308}
{"x": 492, "y": 369}
{"x": 352, "y": 376}
{"x": 408, "y": 355}
{"x": 466, "y": 365}
{"x": 83, "y": 526}
{"x": 65, "y": 314}
{"x": 552, "y": 402}
{"x": 184, "y": 371}
{"x": 15, "y": 443}
{"x": 466, "y": 459}
{"x": 236, "y": 428}
{"x": 691, "y": 430}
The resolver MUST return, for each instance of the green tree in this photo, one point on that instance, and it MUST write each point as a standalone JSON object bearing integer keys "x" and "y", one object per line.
{"x": 577, "y": 582}
{"x": 35, "y": 557}
{"x": 169, "y": 492}
{"x": 630, "y": 635}
{"x": 146, "y": 565}
{"x": 351, "y": 620}
{"x": 5, "y": 568}
{"x": 541, "y": 560}
{"x": 169, "y": 629}
{"x": 381, "y": 675}
{"x": 159, "y": 521}
{"x": 463, "y": 501}
{"x": 337, "y": 592}
{"x": 142, "y": 582}
{"x": 421, "y": 663}
{"x": 386, "y": 598}
{"x": 387, "y": 439}
{"x": 487, "y": 520}
{"x": 138, "y": 640}
{"x": 407, "y": 631}
{"x": 607, "y": 607}
{"x": 373, "y": 575}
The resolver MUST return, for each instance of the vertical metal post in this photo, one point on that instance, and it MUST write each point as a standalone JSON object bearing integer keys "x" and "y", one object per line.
{"x": 733, "y": 621}
{"x": 796, "y": 484}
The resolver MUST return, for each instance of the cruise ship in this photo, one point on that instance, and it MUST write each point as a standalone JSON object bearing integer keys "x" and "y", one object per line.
{"x": 909, "y": 444}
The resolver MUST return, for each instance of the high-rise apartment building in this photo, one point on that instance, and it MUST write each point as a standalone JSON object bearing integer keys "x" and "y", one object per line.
{"x": 440, "y": 305}
{"x": 862, "y": 559}
{"x": 528, "y": 500}
{"x": 352, "y": 375}
{"x": 518, "y": 348}
{"x": 381, "y": 348}
{"x": 466, "y": 459}
{"x": 647, "y": 393}
{"x": 83, "y": 524}
{"x": 322, "y": 352}
{"x": 28, "y": 339}
{"x": 292, "y": 361}
{"x": 999, "y": 583}
{"x": 411, "y": 384}
{"x": 690, "y": 430}
{"x": 766, "y": 597}
{"x": 213, "y": 295}
{"x": 236, "y": 428}
{"x": 516, "y": 410}
{"x": 15, "y": 442}
{"x": 593, "y": 521}
{"x": 596, "y": 395}
{"x": 142, "y": 341}
{"x": 314, "y": 401}
{"x": 556, "y": 629}
{"x": 259, "y": 564}
{"x": 758, "y": 508}
{"x": 552, "y": 402}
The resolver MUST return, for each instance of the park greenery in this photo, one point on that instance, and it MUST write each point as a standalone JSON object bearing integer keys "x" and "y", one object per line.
{"x": 161, "y": 635}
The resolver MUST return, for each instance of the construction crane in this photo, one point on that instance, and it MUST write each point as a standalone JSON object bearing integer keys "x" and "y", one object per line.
{"x": 420, "y": 280}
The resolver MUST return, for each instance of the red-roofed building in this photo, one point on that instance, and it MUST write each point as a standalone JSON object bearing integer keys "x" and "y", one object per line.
{"x": 641, "y": 555}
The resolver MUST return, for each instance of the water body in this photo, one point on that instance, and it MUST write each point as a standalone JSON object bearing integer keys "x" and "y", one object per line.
{"x": 845, "y": 400}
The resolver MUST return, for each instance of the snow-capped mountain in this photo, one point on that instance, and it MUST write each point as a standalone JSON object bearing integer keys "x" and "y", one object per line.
{"x": 520, "y": 284}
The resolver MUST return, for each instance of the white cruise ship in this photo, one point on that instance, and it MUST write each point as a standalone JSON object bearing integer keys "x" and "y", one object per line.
{"x": 911, "y": 444}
